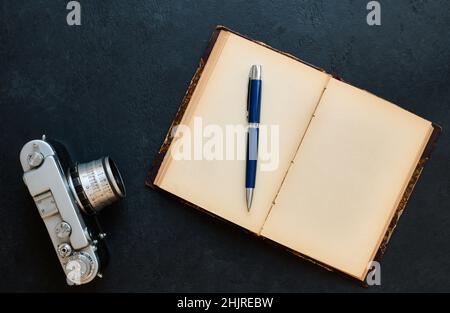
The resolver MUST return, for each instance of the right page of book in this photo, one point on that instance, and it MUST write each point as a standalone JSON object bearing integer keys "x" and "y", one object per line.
{"x": 347, "y": 178}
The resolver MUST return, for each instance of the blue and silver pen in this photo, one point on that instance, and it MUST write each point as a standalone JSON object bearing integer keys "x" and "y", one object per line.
{"x": 253, "y": 115}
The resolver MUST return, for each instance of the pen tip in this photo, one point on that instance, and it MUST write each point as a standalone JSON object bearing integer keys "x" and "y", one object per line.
{"x": 249, "y": 198}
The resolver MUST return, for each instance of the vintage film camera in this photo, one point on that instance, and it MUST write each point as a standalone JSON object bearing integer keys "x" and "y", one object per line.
{"x": 68, "y": 197}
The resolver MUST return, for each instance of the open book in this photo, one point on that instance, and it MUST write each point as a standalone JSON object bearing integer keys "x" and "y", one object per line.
{"x": 346, "y": 159}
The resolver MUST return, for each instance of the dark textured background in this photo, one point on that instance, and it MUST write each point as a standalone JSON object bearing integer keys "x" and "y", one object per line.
{"x": 113, "y": 85}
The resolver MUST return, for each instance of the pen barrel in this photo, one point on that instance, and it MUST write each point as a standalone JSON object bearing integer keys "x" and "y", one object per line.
{"x": 252, "y": 157}
{"x": 254, "y": 98}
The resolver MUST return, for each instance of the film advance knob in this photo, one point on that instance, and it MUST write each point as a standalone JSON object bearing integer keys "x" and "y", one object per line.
{"x": 78, "y": 268}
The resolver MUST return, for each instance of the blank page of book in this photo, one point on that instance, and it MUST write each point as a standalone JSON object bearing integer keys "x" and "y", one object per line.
{"x": 220, "y": 99}
{"x": 347, "y": 178}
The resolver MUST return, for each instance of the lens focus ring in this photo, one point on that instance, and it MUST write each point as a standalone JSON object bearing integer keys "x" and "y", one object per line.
{"x": 96, "y": 184}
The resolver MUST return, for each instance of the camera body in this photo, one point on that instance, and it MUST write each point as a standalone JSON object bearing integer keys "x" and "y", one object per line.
{"x": 68, "y": 198}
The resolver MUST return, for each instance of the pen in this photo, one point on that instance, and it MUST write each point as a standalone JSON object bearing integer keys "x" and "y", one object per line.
{"x": 253, "y": 115}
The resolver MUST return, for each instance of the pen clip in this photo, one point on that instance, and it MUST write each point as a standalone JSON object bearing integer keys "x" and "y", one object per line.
{"x": 248, "y": 95}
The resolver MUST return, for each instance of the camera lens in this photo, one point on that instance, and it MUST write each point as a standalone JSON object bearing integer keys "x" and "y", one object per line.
{"x": 96, "y": 184}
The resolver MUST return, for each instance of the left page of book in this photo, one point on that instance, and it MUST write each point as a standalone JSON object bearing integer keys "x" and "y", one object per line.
{"x": 205, "y": 164}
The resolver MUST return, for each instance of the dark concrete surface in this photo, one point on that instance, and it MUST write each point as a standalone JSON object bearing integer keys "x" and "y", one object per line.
{"x": 113, "y": 85}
